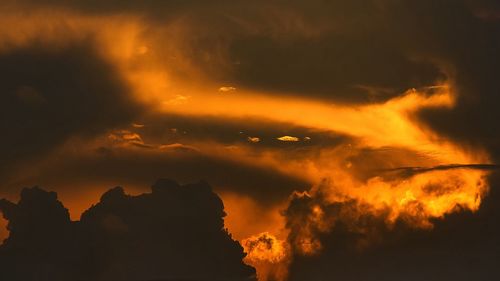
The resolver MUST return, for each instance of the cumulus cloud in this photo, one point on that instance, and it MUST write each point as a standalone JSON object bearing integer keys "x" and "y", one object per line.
{"x": 174, "y": 232}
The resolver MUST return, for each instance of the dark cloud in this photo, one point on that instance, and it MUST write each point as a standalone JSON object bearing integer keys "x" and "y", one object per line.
{"x": 411, "y": 171}
{"x": 352, "y": 69}
{"x": 137, "y": 166}
{"x": 349, "y": 51}
{"x": 362, "y": 246}
{"x": 51, "y": 94}
{"x": 174, "y": 232}
{"x": 148, "y": 7}
{"x": 473, "y": 121}
{"x": 171, "y": 128}
{"x": 352, "y": 51}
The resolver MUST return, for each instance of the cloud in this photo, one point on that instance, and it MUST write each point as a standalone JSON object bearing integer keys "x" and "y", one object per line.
{"x": 253, "y": 139}
{"x": 288, "y": 138}
{"x": 125, "y": 136}
{"x": 335, "y": 71}
{"x": 51, "y": 96}
{"x": 267, "y": 253}
{"x": 102, "y": 164}
{"x": 174, "y": 232}
{"x": 177, "y": 146}
{"x": 177, "y": 100}
{"x": 299, "y": 49}
{"x": 410, "y": 171}
{"x": 135, "y": 125}
{"x": 226, "y": 89}
{"x": 460, "y": 247}
{"x": 230, "y": 131}
{"x": 264, "y": 247}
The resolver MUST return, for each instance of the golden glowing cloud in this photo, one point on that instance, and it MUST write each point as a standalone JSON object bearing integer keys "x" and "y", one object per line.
{"x": 288, "y": 138}
{"x": 226, "y": 89}
{"x": 264, "y": 247}
{"x": 268, "y": 254}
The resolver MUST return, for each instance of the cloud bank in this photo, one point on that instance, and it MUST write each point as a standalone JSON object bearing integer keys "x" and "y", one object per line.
{"x": 175, "y": 232}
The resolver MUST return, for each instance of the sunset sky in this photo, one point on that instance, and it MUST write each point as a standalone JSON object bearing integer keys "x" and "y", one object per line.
{"x": 347, "y": 139}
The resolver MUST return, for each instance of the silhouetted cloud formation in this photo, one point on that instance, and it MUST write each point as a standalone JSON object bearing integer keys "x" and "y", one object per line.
{"x": 173, "y": 233}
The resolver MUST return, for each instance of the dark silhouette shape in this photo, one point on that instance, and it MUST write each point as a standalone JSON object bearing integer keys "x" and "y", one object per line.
{"x": 174, "y": 233}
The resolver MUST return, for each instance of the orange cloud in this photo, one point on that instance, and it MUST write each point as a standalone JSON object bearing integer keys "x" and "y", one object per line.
{"x": 288, "y": 138}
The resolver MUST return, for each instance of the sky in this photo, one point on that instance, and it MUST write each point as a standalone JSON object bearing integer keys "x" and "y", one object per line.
{"x": 345, "y": 140}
